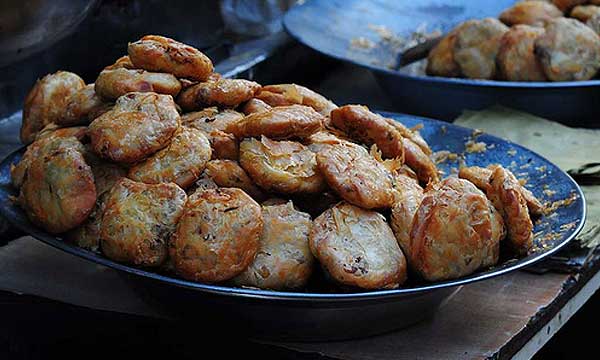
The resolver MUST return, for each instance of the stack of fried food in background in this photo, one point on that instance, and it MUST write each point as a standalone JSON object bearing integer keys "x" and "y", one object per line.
{"x": 531, "y": 41}
{"x": 164, "y": 164}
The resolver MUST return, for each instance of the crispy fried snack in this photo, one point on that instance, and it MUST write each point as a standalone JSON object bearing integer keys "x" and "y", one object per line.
{"x": 290, "y": 94}
{"x": 281, "y": 166}
{"x": 181, "y": 162}
{"x": 455, "y": 231}
{"x": 408, "y": 196}
{"x": 356, "y": 247}
{"x": 420, "y": 162}
{"x": 440, "y": 61}
{"x": 281, "y": 122}
{"x": 138, "y": 221}
{"x": 476, "y": 47}
{"x": 284, "y": 260}
{"x": 506, "y": 194}
{"x": 254, "y": 106}
{"x": 228, "y": 173}
{"x": 139, "y": 125}
{"x": 218, "y": 235}
{"x": 58, "y": 190}
{"x": 410, "y": 134}
{"x": 566, "y": 5}
{"x": 222, "y": 92}
{"x": 516, "y": 58}
{"x": 83, "y": 107}
{"x": 568, "y": 51}
{"x": 214, "y": 123}
{"x": 159, "y": 53}
{"x": 47, "y": 102}
{"x": 113, "y": 83}
{"x": 355, "y": 175}
{"x": 584, "y": 12}
{"x": 369, "y": 128}
{"x": 534, "y": 13}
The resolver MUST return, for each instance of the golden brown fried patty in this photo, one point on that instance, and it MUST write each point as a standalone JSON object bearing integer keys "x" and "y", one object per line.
{"x": 58, "y": 190}
{"x": 281, "y": 122}
{"x": 584, "y": 12}
{"x": 228, "y": 173}
{"x": 355, "y": 175}
{"x": 408, "y": 196}
{"x": 220, "y": 92}
{"x": 214, "y": 123}
{"x": 516, "y": 58}
{"x": 568, "y": 51}
{"x": 181, "y": 162}
{"x": 218, "y": 235}
{"x": 159, "y": 53}
{"x": 534, "y": 13}
{"x": 290, "y": 94}
{"x": 369, "y": 128}
{"x": 440, "y": 61}
{"x": 420, "y": 162}
{"x": 47, "y": 101}
{"x": 281, "y": 166}
{"x": 255, "y": 105}
{"x": 566, "y": 5}
{"x": 456, "y": 230}
{"x": 82, "y": 107}
{"x": 284, "y": 260}
{"x": 139, "y": 125}
{"x": 113, "y": 83}
{"x": 138, "y": 221}
{"x": 356, "y": 247}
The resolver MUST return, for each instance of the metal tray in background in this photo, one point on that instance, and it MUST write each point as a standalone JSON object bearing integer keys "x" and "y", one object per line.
{"x": 318, "y": 313}
{"x": 329, "y": 26}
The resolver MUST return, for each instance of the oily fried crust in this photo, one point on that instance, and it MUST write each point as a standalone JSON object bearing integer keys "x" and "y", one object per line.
{"x": 281, "y": 122}
{"x": 505, "y": 193}
{"x": 113, "y": 83}
{"x": 228, "y": 173}
{"x": 159, "y": 53}
{"x": 516, "y": 58}
{"x": 220, "y": 92}
{"x": 82, "y": 107}
{"x": 58, "y": 190}
{"x": 281, "y": 166}
{"x": 362, "y": 125}
{"x": 568, "y": 51}
{"x": 455, "y": 231}
{"x": 356, "y": 176}
{"x": 290, "y": 94}
{"x": 356, "y": 247}
{"x": 254, "y": 106}
{"x": 139, "y": 125}
{"x": 411, "y": 134}
{"x": 138, "y": 220}
{"x": 181, "y": 162}
{"x": 284, "y": 260}
{"x": 46, "y": 102}
{"x": 440, "y": 61}
{"x": 217, "y": 236}
{"x": 420, "y": 162}
{"x": 213, "y": 123}
{"x": 408, "y": 196}
{"x": 535, "y": 13}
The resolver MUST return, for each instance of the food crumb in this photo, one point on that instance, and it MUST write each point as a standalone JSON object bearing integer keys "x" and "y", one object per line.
{"x": 512, "y": 152}
{"x": 541, "y": 168}
{"x": 549, "y": 192}
{"x": 362, "y": 43}
{"x": 475, "y": 147}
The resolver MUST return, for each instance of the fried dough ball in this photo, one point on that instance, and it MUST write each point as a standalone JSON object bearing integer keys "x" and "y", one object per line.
{"x": 356, "y": 247}
{"x": 480, "y": 176}
{"x": 58, "y": 191}
{"x": 254, "y": 106}
{"x": 82, "y": 107}
{"x": 505, "y": 193}
{"x": 440, "y": 61}
{"x": 516, "y": 58}
{"x": 284, "y": 260}
{"x": 181, "y": 162}
{"x": 214, "y": 123}
{"x": 220, "y": 92}
{"x": 218, "y": 235}
{"x": 228, "y": 173}
{"x": 568, "y": 51}
{"x": 355, "y": 175}
{"x": 584, "y": 12}
{"x": 139, "y": 125}
{"x": 420, "y": 162}
{"x": 159, "y": 53}
{"x": 476, "y": 47}
{"x": 50, "y": 132}
{"x": 408, "y": 196}
{"x": 281, "y": 122}
{"x": 534, "y": 13}
{"x": 594, "y": 23}
{"x": 411, "y": 134}
{"x": 138, "y": 220}
{"x": 47, "y": 101}
{"x": 566, "y": 5}
{"x": 456, "y": 230}
{"x": 113, "y": 83}
{"x": 87, "y": 235}
{"x": 290, "y": 94}
{"x": 369, "y": 128}
{"x": 281, "y": 166}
